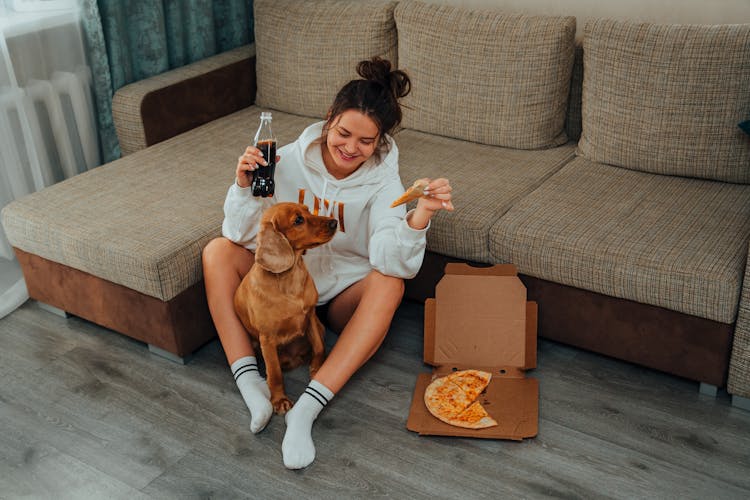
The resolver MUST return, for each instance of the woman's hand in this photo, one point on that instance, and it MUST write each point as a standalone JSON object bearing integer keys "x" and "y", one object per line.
{"x": 248, "y": 162}
{"x": 437, "y": 196}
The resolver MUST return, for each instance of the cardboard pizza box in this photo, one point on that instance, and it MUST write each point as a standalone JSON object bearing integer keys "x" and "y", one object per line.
{"x": 480, "y": 319}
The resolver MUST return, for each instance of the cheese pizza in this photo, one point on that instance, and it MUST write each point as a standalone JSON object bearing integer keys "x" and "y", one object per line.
{"x": 453, "y": 399}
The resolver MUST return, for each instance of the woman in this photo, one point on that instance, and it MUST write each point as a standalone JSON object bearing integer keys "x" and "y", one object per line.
{"x": 345, "y": 167}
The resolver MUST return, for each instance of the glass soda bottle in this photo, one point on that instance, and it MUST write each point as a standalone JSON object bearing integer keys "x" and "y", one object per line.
{"x": 263, "y": 184}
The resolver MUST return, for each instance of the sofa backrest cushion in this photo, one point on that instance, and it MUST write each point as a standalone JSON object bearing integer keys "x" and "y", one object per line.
{"x": 666, "y": 99}
{"x": 306, "y": 51}
{"x": 573, "y": 119}
{"x": 486, "y": 76}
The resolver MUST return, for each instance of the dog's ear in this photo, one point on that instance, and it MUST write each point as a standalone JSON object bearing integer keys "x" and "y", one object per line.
{"x": 274, "y": 253}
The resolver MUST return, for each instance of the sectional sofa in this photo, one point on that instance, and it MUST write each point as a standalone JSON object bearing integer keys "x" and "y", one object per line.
{"x": 612, "y": 173}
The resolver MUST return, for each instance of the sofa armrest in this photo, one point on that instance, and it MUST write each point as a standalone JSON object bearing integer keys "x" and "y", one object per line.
{"x": 738, "y": 383}
{"x": 160, "y": 107}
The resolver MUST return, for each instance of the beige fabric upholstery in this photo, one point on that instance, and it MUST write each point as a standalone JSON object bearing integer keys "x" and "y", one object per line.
{"x": 486, "y": 181}
{"x": 667, "y": 98}
{"x": 489, "y": 77}
{"x": 126, "y": 104}
{"x": 573, "y": 119}
{"x": 667, "y": 241}
{"x": 151, "y": 239}
{"x": 142, "y": 221}
{"x": 306, "y": 51}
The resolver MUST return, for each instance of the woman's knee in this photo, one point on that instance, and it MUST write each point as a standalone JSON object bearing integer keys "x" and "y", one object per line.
{"x": 215, "y": 250}
{"x": 222, "y": 252}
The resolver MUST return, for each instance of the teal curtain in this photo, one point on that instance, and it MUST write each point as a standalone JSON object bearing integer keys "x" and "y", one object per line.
{"x": 129, "y": 40}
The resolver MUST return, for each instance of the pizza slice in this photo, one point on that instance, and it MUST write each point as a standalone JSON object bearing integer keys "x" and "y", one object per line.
{"x": 471, "y": 382}
{"x": 452, "y": 399}
{"x": 445, "y": 399}
{"x": 415, "y": 191}
{"x": 474, "y": 417}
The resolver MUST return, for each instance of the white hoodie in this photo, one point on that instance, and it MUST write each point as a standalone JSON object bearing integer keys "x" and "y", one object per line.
{"x": 371, "y": 235}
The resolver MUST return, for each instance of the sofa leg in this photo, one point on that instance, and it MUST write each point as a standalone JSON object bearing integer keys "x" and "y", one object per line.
{"x": 741, "y": 402}
{"x": 708, "y": 389}
{"x": 54, "y": 310}
{"x": 168, "y": 355}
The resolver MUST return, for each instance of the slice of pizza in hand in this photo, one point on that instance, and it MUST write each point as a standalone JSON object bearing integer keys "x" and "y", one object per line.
{"x": 415, "y": 191}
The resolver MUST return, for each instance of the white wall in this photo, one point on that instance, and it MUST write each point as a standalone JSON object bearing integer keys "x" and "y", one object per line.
{"x": 658, "y": 11}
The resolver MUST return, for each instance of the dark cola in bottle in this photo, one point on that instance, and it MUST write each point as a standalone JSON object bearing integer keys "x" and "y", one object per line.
{"x": 263, "y": 184}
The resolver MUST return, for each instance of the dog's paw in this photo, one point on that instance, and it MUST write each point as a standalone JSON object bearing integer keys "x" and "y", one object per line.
{"x": 282, "y": 405}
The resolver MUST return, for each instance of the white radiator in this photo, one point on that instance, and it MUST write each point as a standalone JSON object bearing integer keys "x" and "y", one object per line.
{"x": 47, "y": 122}
{"x": 47, "y": 133}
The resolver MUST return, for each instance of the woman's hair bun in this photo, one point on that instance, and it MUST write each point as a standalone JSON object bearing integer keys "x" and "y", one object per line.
{"x": 379, "y": 70}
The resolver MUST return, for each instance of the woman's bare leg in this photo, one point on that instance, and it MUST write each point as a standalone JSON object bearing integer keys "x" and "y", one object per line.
{"x": 224, "y": 265}
{"x": 362, "y": 314}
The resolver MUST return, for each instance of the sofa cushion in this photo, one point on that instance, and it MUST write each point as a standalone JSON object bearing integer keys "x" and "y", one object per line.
{"x": 143, "y": 220}
{"x": 667, "y": 98}
{"x": 306, "y": 51}
{"x": 486, "y": 181}
{"x": 489, "y": 77}
{"x": 573, "y": 118}
{"x": 662, "y": 240}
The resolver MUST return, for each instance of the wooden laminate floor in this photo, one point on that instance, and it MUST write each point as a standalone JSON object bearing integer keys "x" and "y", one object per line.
{"x": 88, "y": 413}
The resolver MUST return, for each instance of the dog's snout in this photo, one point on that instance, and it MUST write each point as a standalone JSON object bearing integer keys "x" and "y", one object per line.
{"x": 332, "y": 224}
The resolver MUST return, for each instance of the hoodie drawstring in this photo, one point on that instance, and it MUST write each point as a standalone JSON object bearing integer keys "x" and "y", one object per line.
{"x": 323, "y": 195}
{"x": 335, "y": 193}
{"x": 325, "y": 252}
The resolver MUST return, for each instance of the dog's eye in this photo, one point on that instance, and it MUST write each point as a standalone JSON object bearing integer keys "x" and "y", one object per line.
{"x": 299, "y": 220}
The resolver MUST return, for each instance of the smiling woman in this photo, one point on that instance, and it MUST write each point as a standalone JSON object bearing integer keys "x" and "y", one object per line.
{"x": 345, "y": 168}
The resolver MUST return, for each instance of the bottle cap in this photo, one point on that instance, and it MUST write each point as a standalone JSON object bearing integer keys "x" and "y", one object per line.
{"x": 265, "y": 115}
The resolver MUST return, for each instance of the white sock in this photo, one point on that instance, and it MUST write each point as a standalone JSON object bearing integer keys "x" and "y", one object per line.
{"x": 254, "y": 390}
{"x": 298, "y": 448}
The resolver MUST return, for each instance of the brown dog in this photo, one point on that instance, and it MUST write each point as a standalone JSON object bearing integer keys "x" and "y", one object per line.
{"x": 276, "y": 299}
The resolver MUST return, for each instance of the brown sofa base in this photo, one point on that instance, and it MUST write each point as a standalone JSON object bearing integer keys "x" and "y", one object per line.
{"x": 676, "y": 343}
{"x": 178, "y": 326}
{"x": 673, "y": 342}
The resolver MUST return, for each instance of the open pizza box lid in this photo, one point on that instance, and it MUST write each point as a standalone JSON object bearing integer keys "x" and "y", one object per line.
{"x": 480, "y": 319}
